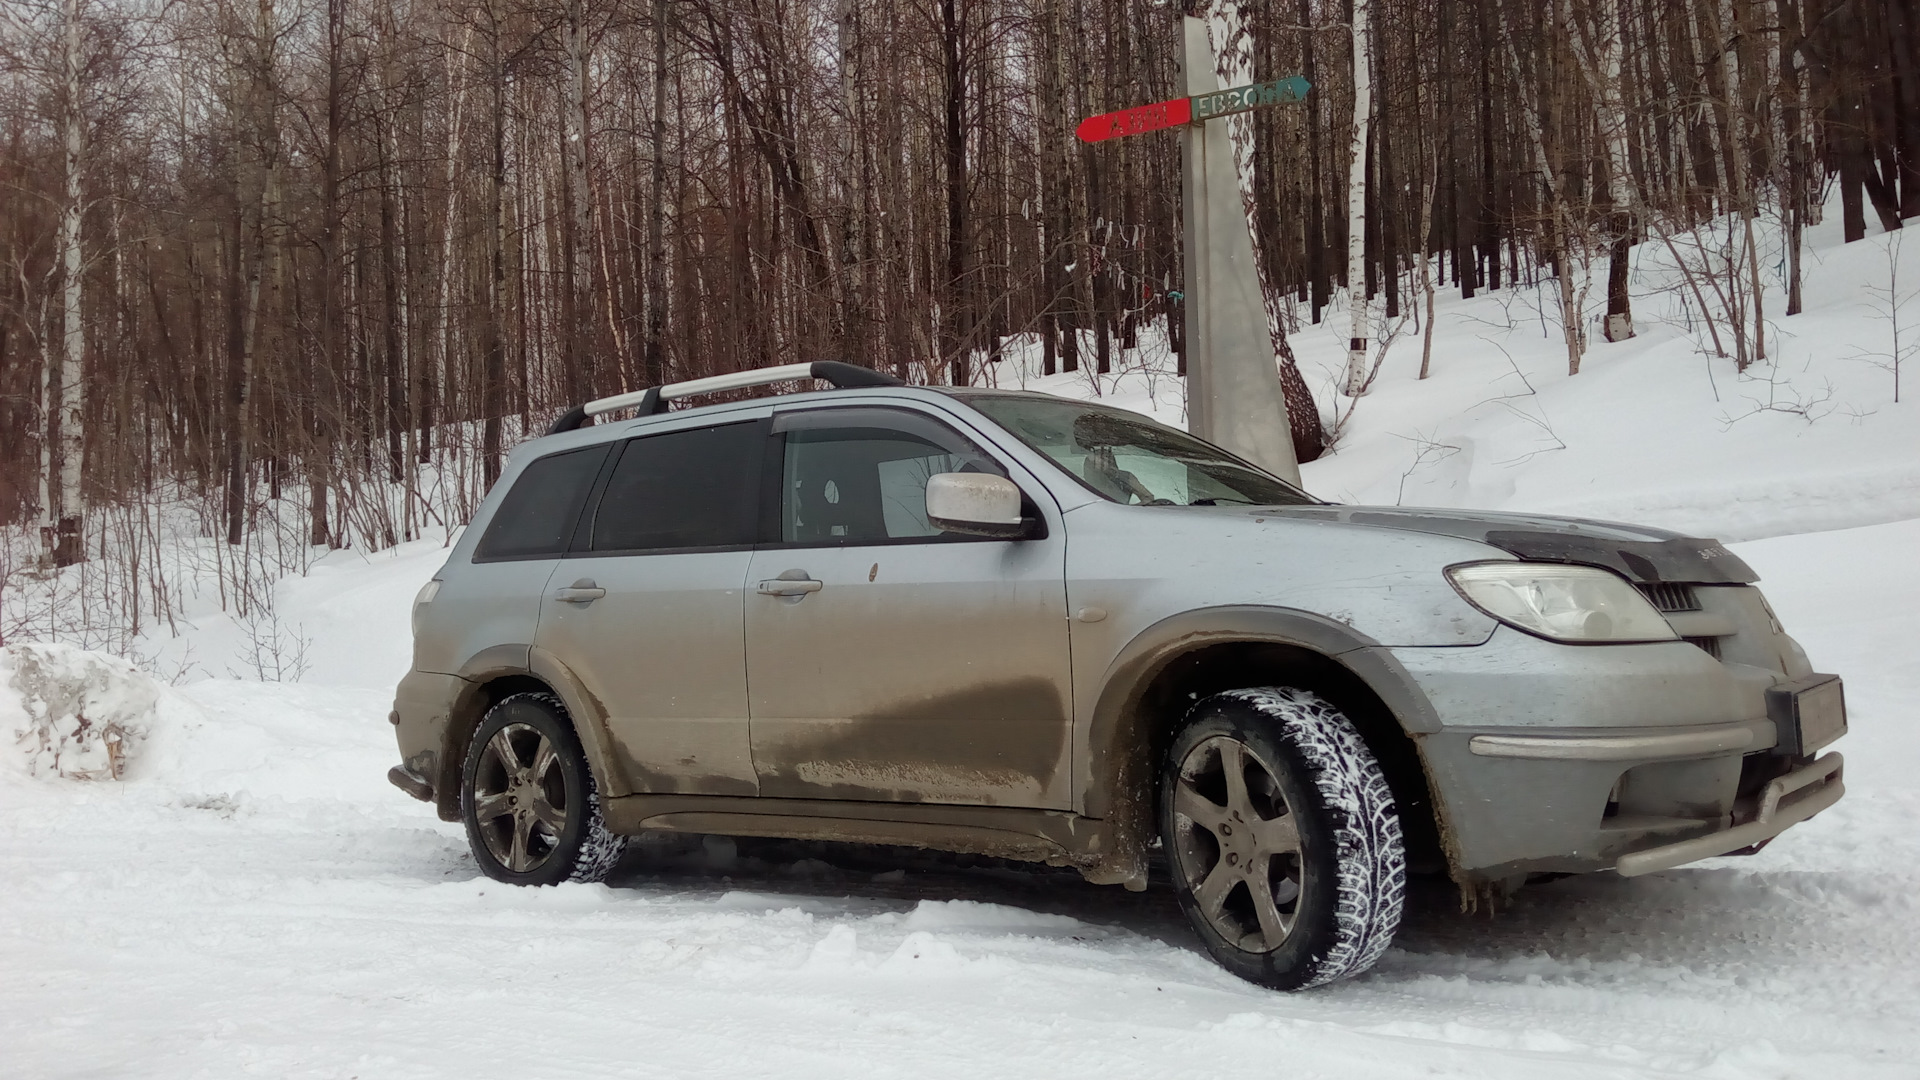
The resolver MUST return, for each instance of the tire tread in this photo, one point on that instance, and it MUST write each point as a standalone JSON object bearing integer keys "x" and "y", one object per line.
{"x": 1372, "y": 853}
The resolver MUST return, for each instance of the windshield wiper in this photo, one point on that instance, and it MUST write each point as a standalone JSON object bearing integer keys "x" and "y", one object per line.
{"x": 1218, "y": 499}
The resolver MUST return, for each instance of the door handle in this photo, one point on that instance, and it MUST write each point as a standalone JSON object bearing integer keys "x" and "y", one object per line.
{"x": 793, "y": 583}
{"x": 583, "y": 591}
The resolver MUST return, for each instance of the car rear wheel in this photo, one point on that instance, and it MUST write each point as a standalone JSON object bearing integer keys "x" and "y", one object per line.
{"x": 528, "y": 798}
{"x": 1282, "y": 838}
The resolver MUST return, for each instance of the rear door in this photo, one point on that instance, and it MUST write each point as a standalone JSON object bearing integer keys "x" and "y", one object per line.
{"x": 492, "y": 602}
{"x": 646, "y": 609}
{"x": 888, "y": 660}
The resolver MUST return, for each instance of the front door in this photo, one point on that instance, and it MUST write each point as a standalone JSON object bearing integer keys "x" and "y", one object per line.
{"x": 888, "y": 660}
{"x": 646, "y": 610}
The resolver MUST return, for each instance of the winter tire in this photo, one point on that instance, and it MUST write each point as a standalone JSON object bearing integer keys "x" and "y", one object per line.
{"x": 1282, "y": 838}
{"x": 530, "y": 804}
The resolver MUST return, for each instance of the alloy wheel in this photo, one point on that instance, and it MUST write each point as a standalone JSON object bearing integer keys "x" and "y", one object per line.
{"x": 520, "y": 798}
{"x": 1237, "y": 844}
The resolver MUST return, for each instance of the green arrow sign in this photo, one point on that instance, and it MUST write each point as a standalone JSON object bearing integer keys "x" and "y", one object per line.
{"x": 1243, "y": 98}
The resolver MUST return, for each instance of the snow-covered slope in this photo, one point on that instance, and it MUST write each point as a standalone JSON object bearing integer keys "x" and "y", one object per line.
{"x": 258, "y": 901}
{"x": 1651, "y": 430}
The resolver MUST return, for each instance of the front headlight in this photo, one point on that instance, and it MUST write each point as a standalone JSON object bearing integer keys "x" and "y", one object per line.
{"x": 1562, "y": 603}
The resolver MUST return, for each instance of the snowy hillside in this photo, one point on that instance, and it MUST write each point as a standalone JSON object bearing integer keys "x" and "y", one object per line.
{"x": 255, "y": 899}
{"x": 1651, "y": 430}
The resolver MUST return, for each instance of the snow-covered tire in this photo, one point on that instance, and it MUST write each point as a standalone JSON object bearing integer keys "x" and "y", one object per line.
{"x": 529, "y": 800}
{"x": 1311, "y": 817}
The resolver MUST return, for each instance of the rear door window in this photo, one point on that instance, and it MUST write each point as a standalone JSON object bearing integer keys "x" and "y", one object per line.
{"x": 537, "y": 517}
{"x": 682, "y": 490}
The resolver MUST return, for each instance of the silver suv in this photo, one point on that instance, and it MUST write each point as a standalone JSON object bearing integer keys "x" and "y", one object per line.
{"x": 1040, "y": 629}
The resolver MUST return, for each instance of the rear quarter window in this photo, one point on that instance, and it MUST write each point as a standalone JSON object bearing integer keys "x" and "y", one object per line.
{"x": 697, "y": 488}
{"x": 537, "y": 517}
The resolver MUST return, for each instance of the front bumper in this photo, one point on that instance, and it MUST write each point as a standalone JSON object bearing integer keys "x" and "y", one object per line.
{"x": 1556, "y": 758}
{"x": 1785, "y": 802}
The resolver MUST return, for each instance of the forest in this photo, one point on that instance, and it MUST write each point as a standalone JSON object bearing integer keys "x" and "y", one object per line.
{"x": 342, "y": 254}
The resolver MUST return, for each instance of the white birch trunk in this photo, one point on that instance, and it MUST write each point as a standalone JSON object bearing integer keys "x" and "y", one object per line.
{"x": 1738, "y": 127}
{"x": 1600, "y": 64}
{"x": 1561, "y": 238}
{"x": 1233, "y": 63}
{"x": 1356, "y": 381}
{"x": 69, "y": 454}
{"x": 443, "y": 359}
{"x": 1745, "y": 199}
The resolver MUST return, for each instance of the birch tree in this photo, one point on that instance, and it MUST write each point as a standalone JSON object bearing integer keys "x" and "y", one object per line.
{"x": 1356, "y": 377}
{"x": 69, "y": 452}
{"x": 1597, "y": 43}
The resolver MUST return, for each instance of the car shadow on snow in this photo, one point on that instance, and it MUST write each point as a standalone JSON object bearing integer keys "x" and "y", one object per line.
{"x": 1690, "y": 916}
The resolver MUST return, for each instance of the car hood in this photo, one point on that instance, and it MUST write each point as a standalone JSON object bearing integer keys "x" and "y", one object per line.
{"x": 1639, "y": 553}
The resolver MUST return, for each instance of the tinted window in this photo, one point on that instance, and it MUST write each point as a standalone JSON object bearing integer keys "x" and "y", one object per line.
{"x": 867, "y": 484}
{"x": 685, "y": 489}
{"x": 538, "y": 514}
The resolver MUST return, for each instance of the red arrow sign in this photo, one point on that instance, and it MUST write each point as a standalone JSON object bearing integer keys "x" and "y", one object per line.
{"x": 1137, "y": 120}
{"x": 1165, "y": 114}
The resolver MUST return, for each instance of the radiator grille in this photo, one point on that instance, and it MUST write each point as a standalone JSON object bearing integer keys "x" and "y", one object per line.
{"x": 1668, "y": 596}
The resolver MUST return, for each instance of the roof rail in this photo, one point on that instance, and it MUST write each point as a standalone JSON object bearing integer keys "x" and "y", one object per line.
{"x": 654, "y": 398}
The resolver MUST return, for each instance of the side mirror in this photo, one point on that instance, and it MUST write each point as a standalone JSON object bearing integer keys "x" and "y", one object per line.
{"x": 978, "y": 504}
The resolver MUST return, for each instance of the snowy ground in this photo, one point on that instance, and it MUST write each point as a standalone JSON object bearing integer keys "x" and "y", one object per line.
{"x": 256, "y": 900}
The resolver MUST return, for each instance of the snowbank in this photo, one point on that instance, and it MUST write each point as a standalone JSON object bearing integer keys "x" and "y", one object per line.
{"x": 77, "y": 714}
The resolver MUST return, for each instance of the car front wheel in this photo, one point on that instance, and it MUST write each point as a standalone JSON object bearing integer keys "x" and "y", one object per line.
{"x": 1282, "y": 838}
{"x": 528, "y": 798}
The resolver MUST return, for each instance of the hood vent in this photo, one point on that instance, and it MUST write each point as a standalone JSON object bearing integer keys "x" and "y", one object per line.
{"x": 1668, "y": 597}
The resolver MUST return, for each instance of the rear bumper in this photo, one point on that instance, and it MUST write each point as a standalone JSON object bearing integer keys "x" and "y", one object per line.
{"x": 1785, "y": 802}
{"x": 422, "y": 707}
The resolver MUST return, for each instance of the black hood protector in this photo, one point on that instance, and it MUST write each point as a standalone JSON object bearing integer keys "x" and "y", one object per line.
{"x": 1640, "y": 554}
{"x": 1684, "y": 559}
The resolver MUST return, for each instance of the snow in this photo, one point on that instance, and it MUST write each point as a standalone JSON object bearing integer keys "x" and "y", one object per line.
{"x": 1650, "y": 431}
{"x": 82, "y": 715}
{"x": 253, "y": 898}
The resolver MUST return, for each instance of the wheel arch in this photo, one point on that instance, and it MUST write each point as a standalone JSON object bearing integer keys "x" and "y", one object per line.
{"x": 1184, "y": 658}
{"x": 497, "y": 673}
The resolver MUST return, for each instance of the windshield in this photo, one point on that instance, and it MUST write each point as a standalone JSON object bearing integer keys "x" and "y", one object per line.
{"x": 1130, "y": 459}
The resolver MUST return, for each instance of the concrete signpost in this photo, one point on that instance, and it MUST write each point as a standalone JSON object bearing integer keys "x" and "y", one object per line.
{"x": 1233, "y": 388}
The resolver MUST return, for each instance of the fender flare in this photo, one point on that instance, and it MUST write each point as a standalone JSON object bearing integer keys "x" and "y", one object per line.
{"x": 588, "y": 714}
{"x": 1114, "y": 767}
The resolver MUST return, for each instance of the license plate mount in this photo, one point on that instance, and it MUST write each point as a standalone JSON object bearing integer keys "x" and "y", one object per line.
{"x": 1808, "y": 714}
